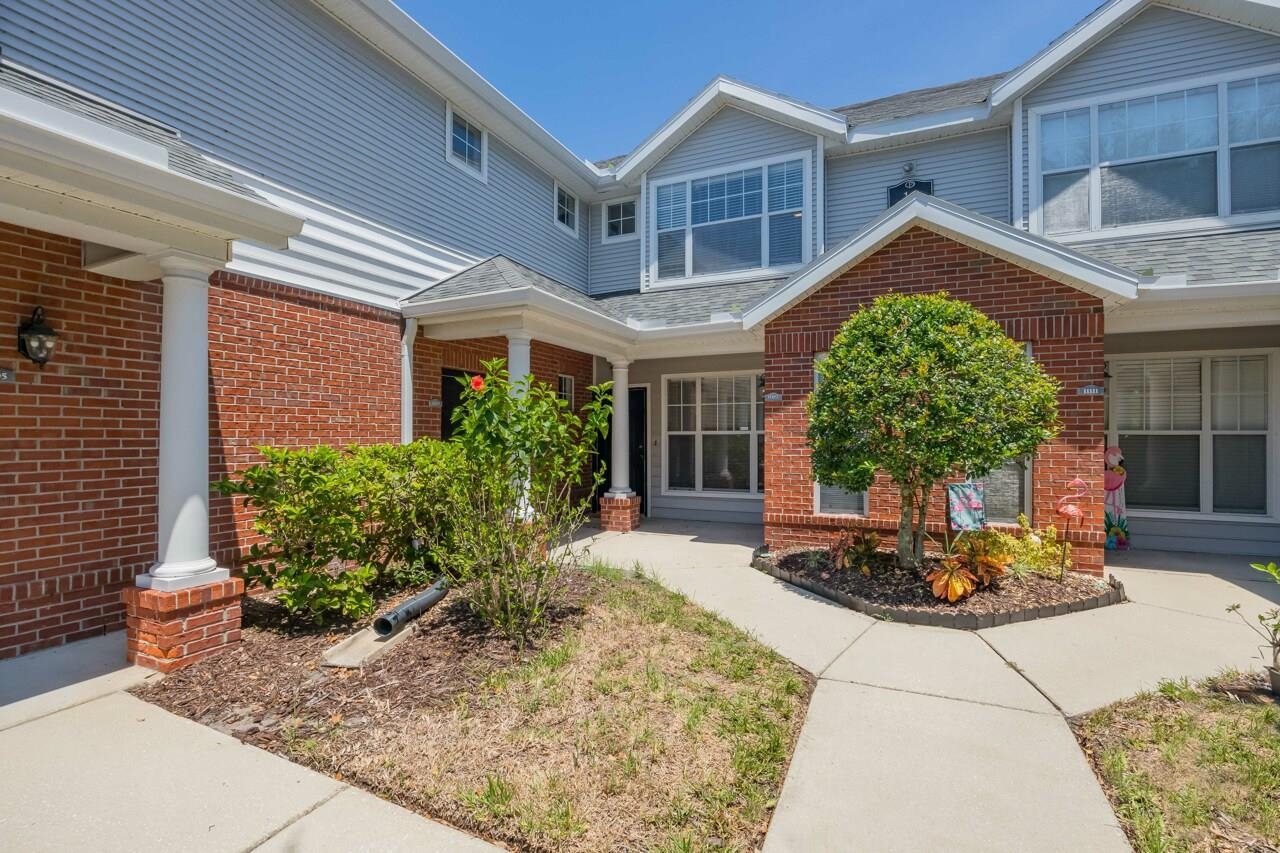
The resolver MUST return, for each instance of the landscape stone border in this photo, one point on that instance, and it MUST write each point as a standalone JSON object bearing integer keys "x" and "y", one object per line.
{"x": 761, "y": 560}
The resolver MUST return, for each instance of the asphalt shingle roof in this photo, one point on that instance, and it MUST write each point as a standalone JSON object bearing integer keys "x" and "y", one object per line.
{"x": 675, "y": 307}
{"x": 183, "y": 158}
{"x": 965, "y": 93}
{"x": 1239, "y": 257}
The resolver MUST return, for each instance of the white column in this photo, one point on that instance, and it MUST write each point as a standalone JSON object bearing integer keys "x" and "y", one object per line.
{"x": 184, "y": 559}
{"x": 519, "y": 356}
{"x": 407, "y": 338}
{"x": 620, "y": 432}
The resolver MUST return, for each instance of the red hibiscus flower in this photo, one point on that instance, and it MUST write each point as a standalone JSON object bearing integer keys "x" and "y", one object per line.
{"x": 477, "y": 383}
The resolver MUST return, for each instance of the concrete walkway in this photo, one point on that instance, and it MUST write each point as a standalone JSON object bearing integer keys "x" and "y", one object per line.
{"x": 87, "y": 767}
{"x": 927, "y": 738}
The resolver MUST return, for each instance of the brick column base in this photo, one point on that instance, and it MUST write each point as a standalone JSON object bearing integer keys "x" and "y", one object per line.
{"x": 170, "y": 630}
{"x": 621, "y": 515}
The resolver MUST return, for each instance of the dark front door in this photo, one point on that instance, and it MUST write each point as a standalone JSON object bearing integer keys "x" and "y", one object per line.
{"x": 638, "y": 410}
{"x": 450, "y": 397}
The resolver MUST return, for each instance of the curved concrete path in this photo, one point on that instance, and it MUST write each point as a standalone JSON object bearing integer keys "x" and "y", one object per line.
{"x": 927, "y": 738}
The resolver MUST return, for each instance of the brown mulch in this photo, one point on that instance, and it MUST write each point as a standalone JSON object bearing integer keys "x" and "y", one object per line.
{"x": 271, "y": 684}
{"x": 891, "y": 586}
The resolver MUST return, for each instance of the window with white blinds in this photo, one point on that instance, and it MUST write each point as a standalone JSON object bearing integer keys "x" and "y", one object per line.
{"x": 749, "y": 218}
{"x": 714, "y": 433}
{"x": 1157, "y": 158}
{"x": 1194, "y": 431}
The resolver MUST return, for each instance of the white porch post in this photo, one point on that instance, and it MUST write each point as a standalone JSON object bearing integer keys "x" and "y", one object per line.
{"x": 184, "y": 559}
{"x": 620, "y": 457}
{"x": 519, "y": 356}
{"x": 407, "y": 337}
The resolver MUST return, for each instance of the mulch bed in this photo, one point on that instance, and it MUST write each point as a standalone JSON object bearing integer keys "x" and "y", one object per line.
{"x": 894, "y": 589}
{"x": 272, "y": 684}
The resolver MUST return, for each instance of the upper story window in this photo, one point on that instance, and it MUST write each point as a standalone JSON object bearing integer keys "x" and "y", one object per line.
{"x": 1203, "y": 153}
{"x": 566, "y": 210}
{"x": 466, "y": 144}
{"x": 619, "y": 221}
{"x": 727, "y": 222}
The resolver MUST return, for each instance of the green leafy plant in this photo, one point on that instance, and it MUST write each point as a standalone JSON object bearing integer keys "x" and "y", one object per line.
{"x": 1268, "y": 627}
{"x": 922, "y": 387}
{"x": 952, "y": 580}
{"x": 1038, "y": 551}
{"x": 854, "y": 549}
{"x": 987, "y": 553}
{"x": 336, "y": 524}
{"x": 519, "y": 495}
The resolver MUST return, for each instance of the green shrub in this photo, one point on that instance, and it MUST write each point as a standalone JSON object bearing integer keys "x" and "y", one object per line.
{"x": 1038, "y": 551}
{"x": 337, "y": 524}
{"x": 519, "y": 495}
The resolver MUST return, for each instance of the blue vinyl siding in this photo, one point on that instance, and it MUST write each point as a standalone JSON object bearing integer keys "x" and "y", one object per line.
{"x": 971, "y": 170}
{"x": 283, "y": 90}
{"x": 615, "y": 267}
{"x": 1160, "y": 45}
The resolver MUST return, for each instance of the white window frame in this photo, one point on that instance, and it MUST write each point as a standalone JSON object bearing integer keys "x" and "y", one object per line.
{"x": 752, "y": 494}
{"x": 817, "y": 487}
{"x": 561, "y": 380}
{"x": 1206, "y": 433}
{"x": 605, "y": 239}
{"x": 458, "y": 162}
{"x": 807, "y": 208}
{"x": 1224, "y": 220}
{"x": 556, "y": 189}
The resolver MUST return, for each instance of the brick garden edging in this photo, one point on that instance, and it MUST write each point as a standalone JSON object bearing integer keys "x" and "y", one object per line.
{"x": 935, "y": 618}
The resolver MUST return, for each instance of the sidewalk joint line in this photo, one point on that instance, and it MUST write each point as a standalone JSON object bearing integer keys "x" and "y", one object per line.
{"x": 1014, "y": 666}
{"x": 944, "y": 698}
{"x": 342, "y": 786}
{"x": 841, "y": 653}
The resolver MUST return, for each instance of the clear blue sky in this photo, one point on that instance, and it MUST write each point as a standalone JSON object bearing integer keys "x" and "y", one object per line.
{"x": 601, "y": 77}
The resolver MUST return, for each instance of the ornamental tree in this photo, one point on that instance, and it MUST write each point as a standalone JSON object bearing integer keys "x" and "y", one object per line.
{"x": 922, "y": 388}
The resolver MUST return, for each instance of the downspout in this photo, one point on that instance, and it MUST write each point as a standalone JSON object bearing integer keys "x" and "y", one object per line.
{"x": 407, "y": 335}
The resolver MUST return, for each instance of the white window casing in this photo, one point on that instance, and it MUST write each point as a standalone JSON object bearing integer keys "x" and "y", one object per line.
{"x": 564, "y": 388}
{"x": 731, "y": 223}
{"x": 620, "y": 220}
{"x": 713, "y": 434}
{"x": 1197, "y": 430}
{"x": 564, "y": 209}
{"x": 466, "y": 144}
{"x": 1160, "y": 159}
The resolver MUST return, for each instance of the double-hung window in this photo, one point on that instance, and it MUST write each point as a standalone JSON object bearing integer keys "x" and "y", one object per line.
{"x": 619, "y": 221}
{"x": 466, "y": 144}
{"x": 732, "y": 221}
{"x": 1194, "y": 431}
{"x": 566, "y": 209}
{"x": 833, "y": 500}
{"x": 715, "y": 433}
{"x": 1160, "y": 157}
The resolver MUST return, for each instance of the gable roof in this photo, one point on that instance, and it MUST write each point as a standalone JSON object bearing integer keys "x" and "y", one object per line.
{"x": 724, "y": 92}
{"x": 1107, "y": 18}
{"x": 1052, "y": 260}
{"x": 965, "y": 93}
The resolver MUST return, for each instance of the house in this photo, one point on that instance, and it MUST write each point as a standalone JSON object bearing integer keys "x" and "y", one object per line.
{"x": 293, "y": 221}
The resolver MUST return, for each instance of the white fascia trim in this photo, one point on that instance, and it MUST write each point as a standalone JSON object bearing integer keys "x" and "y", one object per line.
{"x": 722, "y": 92}
{"x": 394, "y": 32}
{"x": 520, "y": 297}
{"x": 1035, "y": 70}
{"x": 873, "y": 131}
{"x": 1108, "y": 282}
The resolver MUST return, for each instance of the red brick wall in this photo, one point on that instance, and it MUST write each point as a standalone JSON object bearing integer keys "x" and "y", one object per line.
{"x": 432, "y": 357}
{"x": 78, "y": 444}
{"x": 291, "y": 368}
{"x": 1064, "y": 326}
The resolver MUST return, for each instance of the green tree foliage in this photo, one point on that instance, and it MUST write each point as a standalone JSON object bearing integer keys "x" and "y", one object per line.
{"x": 524, "y": 488}
{"x": 922, "y": 388}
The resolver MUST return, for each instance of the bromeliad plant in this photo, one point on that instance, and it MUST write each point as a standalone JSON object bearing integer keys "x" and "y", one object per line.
{"x": 524, "y": 487}
{"x": 921, "y": 387}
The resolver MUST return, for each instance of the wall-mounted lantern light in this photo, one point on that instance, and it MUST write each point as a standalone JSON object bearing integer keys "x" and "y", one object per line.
{"x": 36, "y": 338}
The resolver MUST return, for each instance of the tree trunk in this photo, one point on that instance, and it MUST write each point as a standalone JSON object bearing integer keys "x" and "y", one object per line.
{"x": 906, "y": 529}
{"x": 918, "y": 544}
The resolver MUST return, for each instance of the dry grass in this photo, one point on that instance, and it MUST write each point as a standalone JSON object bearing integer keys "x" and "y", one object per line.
{"x": 651, "y": 725}
{"x": 1192, "y": 767}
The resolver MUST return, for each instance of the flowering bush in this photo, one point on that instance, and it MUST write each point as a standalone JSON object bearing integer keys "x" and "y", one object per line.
{"x": 524, "y": 487}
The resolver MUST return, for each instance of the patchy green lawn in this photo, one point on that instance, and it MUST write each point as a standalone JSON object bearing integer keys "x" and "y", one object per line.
{"x": 1192, "y": 767}
{"x": 649, "y": 724}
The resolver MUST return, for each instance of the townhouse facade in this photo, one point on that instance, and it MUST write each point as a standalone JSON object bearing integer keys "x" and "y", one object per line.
{"x": 296, "y": 221}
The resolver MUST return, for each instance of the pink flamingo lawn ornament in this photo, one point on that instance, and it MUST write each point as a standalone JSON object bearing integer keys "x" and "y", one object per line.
{"x": 1071, "y": 512}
